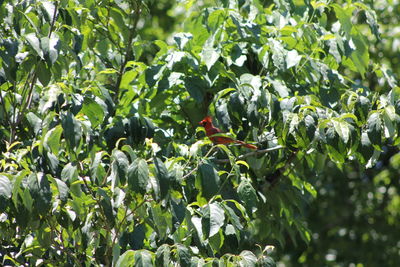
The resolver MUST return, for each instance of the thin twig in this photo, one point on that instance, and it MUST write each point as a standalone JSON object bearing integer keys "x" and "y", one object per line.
{"x": 250, "y": 154}
{"x": 54, "y": 19}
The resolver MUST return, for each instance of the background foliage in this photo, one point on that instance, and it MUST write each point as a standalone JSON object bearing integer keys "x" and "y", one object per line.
{"x": 103, "y": 161}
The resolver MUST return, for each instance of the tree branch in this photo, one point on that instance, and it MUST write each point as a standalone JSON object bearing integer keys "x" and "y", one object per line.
{"x": 250, "y": 154}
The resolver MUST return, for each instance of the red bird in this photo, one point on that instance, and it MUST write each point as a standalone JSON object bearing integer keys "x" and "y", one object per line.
{"x": 211, "y": 130}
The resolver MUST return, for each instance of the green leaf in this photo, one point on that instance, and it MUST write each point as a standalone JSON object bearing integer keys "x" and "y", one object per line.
{"x": 247, "y": 258}
{"x": 183, "y": 255}
{"x": 182, "y": 38}
{"x": 247, "y": 195}
{"x": 35, "y": 122}
{"x": 120, "y": 164}
{"x": 34, "y": 43}
{"x": 361, "y": 108}
{"x": 342, "y": 129}
{"x": 93, "y": 111}
{"x": 162, "y": 177}
{"x": 127, "y": 259}
{"x": 43, "y": 73}
{"x": 69, "y": 173}
{"x": 72, "y": 130}
{"x": 389, "y": 119}
{"x": 360, "y": 54}
{"x": 138, "y": 176}
{"x": 163, "y": 255}
{"x": 50, "y": 47}
{"x": 278, "y": 55}
{"x": 209, "y": 56}
{"x": 196, "y": 87}
{"x": 217, "y": 218}
{"x": 143, "y": 258}
{"x": 40, "y": 191}
{"x": 96, "y": 168}
{"x": 232, "y": 217}
{"x": 62, "y": 189}
{"x": 292, "y": 59}
{"x": 49, "y": 9}
{"x": 209, "y": 180}
{"x": 266, "y": 261}
{"x": 118, "y": 17}
{"x": 52, "y": 139}
{"x": 374, "y": 130}
{"x": 5, "y": 192}
{"x": 107, "y": 208}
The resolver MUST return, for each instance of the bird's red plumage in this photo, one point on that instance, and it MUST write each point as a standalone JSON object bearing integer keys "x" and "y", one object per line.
{"x": 211, "y": 130}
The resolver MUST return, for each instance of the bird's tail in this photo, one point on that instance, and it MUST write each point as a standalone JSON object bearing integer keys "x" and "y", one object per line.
{"x": 246, "y": 144}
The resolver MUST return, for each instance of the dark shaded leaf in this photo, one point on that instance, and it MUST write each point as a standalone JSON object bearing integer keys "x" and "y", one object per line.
{"x": 209, "y": 180}
{"x": 72, "y": 130}
{"x": 138, "y": 176}
{"x": 247, "y": 195}
{"x": 163, "y": 255}
{"x": 374, "y": 130}
{"x": 40, "y": 191}
{"x": 162, "y": 177}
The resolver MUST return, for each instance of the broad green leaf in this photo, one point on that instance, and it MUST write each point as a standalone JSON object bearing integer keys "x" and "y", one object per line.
{"x": 182, "y": 38}
{"x": 209, "y": 180}
{"x": 127, "y": 259}
{"x": 5, "y": 192}
{"x": 233, "y": 217}
{"x": 389, "y": 119}
{"x": 39, "y": 189}
{"x": 120, "y": 165}
{"x": 266, "y": 261}
{"x": 360, "y": 55}
{"x": 292, "y": 59}
{"x": 216, "y": 19}
{"x": 137, "y": 237}
{"x": 34, "y": 42}
{"x": 342, "y": 129}
{"x": 49, "y": 9}
{"x": 35, "y": 122}
{"x": 62, "y": 189}
{"x": 72, "y": 130}
{"x": 362, "y": 107}
{"x": 143, "y": 258}
{"x": 278, "y": 54}
{"x": 127, "y": 78}
{"x": 96, "y": 167}
{"x": 247, "y": 195}
{"x": 52, "y": 139}
{"x": 50, "y": 47}
{"x": 69, "y": 173}
{"x": 247, "y": 258}
{"x": 217, "y": 218}
{"x": 118, "y": 17}
{"x": 138, "y": 176}
{"x": 280, "y": 87}
{"x": 163, "y": 255}
{"x": 93, "y": 111}
{"x": 43, "y": 73}
{"x": 162, "y": 177}
{"x": 209, "y": 56}
{"x": 107, "y": 208}
{"x": 198, "y": 225}
{"x": 183, "y": 255}
{"x": 196, "y": 87}
{"x": 374, "y": 130}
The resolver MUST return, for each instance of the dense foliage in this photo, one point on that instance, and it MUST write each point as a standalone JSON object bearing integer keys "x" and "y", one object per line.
{"x": 103, "y": 161}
